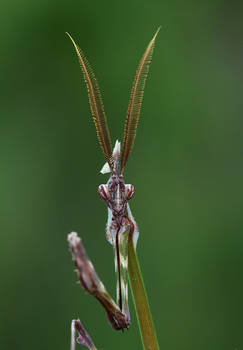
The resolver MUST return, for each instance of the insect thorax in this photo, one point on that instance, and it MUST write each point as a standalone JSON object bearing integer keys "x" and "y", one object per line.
{"x": 116, "y": 194}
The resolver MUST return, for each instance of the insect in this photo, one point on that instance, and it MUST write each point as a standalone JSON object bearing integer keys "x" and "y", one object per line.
{"x": 116, "y": 193}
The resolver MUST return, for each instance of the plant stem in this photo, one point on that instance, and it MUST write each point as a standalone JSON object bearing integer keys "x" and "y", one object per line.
{"x": 147, "y": 329}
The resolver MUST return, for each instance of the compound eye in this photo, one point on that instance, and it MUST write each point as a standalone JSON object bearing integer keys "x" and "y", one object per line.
{"x": 104, "y": 192}
{"x": 129, "y": 191}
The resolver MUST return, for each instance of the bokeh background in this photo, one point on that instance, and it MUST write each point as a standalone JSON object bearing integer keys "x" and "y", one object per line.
{"x": 186, "y": 167}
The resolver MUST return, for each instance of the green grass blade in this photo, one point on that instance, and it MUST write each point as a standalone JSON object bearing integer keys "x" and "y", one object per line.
{"x": 147, "y": 329}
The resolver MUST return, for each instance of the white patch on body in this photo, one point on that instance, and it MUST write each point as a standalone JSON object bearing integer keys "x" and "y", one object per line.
{"x": 108, "y": 226}
{"x": 106, "y": 169}
{"x": 116, "y": 152}
{"x": 117, "y": 149}
{"x": 136, "y": 232}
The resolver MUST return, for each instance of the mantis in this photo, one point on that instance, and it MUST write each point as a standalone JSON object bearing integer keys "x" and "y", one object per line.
{"x": 116, "y": 193}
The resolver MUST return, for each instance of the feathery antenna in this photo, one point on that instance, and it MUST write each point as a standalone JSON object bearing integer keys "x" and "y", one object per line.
{"x": 135, "y": 102}
{"x": 96, "y": 104}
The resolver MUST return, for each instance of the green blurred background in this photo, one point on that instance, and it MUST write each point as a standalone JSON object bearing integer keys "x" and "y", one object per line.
{"x": 186, "y": 167}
